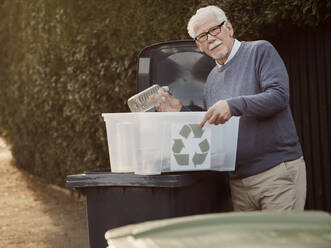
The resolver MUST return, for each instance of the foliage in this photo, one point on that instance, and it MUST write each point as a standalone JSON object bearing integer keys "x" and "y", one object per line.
{"x": 253, "y": 19}
{"x": 65, "y": 62}
{"x": 269, "y": 17}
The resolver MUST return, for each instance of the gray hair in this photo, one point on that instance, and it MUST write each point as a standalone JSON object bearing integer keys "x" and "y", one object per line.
{"x": 201, "y": 14}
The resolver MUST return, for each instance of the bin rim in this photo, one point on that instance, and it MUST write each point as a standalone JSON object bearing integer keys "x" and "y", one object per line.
{"x": 186, "y": 42}
{"x": 116, "y": 179}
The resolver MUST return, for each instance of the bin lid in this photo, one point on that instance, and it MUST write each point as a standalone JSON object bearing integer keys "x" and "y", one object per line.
{"x": 250, "y": 229}
{"x": 180, "y": 65}
{"x": 168, "y": 180}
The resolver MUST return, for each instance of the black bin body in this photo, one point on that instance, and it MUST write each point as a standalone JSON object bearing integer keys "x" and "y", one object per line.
{"x": 118, "y": 199}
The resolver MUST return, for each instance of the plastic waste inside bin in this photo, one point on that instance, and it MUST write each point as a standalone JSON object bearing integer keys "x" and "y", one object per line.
{"x": 253, "y": 229}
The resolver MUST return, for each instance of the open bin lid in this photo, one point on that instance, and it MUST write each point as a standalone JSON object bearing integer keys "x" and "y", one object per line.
{"x": 180, "y": 65}
{"x": 167, "y": 180}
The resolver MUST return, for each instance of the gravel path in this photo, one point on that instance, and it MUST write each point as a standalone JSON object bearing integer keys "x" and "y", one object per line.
{"x": 35, "y": 214}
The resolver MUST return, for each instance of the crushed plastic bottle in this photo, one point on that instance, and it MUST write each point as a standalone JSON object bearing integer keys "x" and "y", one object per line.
{"x": 144, "y": 101}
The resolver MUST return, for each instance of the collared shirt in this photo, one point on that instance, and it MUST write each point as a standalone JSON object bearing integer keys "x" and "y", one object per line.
{"x": 234, "y": 50}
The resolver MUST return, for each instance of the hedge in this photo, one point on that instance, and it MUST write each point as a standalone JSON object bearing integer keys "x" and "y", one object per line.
{"x": 65, "y": 62}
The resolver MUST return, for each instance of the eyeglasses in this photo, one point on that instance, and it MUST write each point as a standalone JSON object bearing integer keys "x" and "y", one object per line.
{"x": 212, "y": 31}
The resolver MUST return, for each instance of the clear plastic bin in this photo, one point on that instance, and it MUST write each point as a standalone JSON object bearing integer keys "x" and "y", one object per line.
{"x": 153, "y": 142}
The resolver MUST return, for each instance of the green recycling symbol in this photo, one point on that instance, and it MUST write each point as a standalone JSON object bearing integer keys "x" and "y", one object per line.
{"x": 185, "y": 132}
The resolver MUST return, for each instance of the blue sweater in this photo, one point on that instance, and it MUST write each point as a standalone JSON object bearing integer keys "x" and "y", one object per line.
{"x": 255, "y": 84}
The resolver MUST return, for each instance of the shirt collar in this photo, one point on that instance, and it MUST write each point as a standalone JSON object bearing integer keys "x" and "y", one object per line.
{"x": 234, "y": 50}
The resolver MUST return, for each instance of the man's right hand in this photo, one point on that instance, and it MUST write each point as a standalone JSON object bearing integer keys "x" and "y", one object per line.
{"x": 168, "y": 103}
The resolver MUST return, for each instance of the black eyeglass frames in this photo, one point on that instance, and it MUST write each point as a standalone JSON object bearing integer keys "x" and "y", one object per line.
{"x": 212, "y": 31}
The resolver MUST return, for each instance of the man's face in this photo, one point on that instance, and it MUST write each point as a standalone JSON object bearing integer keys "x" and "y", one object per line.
{"x": 219, "y": 46}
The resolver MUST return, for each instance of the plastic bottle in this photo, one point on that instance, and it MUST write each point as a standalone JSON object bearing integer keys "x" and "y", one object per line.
{"x": 143, "y": 102}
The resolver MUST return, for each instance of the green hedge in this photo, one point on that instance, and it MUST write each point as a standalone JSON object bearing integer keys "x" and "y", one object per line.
{"x": 68, "y": 62}
{"x": 65, "y": 62}
{"x": 256, "y": 19}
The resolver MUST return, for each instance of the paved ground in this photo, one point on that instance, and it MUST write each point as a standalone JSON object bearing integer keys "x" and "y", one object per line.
{"x": 34, "y": 214}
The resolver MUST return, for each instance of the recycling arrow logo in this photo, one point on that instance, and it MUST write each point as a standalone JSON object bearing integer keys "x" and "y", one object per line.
{"x": 190, "y": 145}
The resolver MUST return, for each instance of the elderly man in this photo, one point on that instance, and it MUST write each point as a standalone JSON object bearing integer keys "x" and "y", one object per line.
{"x": 251, "y": 81}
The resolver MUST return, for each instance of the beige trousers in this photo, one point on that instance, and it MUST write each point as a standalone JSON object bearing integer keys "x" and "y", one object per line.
{"x": 282, "y": 187}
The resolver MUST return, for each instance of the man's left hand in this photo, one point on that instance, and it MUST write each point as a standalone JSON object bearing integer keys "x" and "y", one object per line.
{"x": 167, "y": 103}
{"x": 219, "y": 113}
